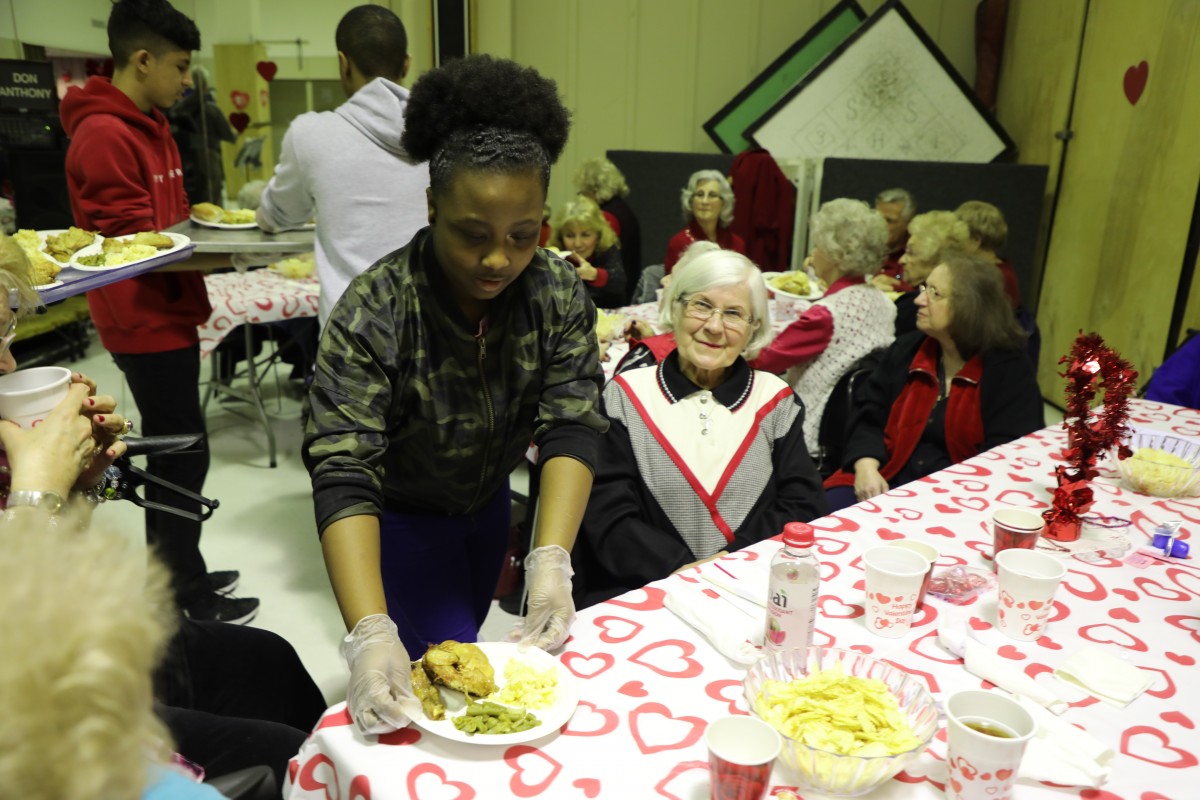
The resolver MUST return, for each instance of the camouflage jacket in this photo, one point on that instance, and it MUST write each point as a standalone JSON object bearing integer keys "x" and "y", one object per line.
{"x": 413, "y": 409}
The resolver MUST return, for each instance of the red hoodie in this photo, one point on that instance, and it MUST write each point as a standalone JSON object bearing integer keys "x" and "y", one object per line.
{"x": 124, "y": 176}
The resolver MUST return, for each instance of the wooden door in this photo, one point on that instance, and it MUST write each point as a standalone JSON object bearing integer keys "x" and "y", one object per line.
{"x": 1128, "y": 184}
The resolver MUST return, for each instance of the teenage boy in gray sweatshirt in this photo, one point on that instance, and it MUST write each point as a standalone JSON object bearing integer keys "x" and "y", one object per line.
{"x": 346, "y": 167}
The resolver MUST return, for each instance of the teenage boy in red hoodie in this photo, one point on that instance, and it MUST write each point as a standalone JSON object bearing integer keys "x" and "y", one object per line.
{"x": 124, "y": 176}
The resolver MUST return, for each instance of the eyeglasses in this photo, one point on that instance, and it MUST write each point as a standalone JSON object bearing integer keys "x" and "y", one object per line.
{"x": 706, "y": 195}
{"x": 10, "y": 333}
{"x": 934, "y": 294}
{"x": 735, "y": 319}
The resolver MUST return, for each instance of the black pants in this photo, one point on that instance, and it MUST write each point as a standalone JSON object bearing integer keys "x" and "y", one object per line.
{"x": 235, "y": 697}
{"x": 166, "y": 387}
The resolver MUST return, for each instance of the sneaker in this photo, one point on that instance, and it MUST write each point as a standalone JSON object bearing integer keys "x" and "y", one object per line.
{"x": 224, "y": 581}
{"x": 223, "y": 608}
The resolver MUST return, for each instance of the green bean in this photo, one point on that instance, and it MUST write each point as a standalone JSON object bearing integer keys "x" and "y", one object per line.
{"x": 491, "y": 718}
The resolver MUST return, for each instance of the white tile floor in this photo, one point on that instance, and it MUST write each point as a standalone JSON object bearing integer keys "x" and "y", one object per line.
{"x": 264, "y": 527}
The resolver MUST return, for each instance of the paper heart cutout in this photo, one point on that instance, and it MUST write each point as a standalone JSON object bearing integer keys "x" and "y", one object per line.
{"x": 239, "y": 99}
{"x": 1123, "y": 614}
{"x": 1135, "y": 82}
{"x": 597, "y": 663}
{"x": 617, "y": 629}
{"x": 267, "y": 69}
{"x": 834, "y": 608}
{"x": 1105, "y": 633}
{"x": 400, "y": 737}
{"x": 680, "y": 769}
{"x": 662, "y": 723}
{"x": 716, "y": 690}
{"x": 582, "y": 723}
{"x": 1011, "y": 652}
{"x": 889, "y": 535}
{"x": 240, "y": 120}
{"x": 653, "y": 599}
{"x": 1184, "y": 660}
{"x": 634, "y": 689}
{"x": 1135, "y": 744}
{"x": 523, "y": 759}
{"x": 678, "y": 666}
{"x": 465, "y": 792}
{"x": 590, "y": 786}
{"x": 1179, "y": 718}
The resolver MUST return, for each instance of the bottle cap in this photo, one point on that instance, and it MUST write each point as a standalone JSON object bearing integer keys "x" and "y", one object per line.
{"x": 798, "y": 534}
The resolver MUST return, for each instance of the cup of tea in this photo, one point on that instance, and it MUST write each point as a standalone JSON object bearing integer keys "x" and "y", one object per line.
{"x": 894, "y": 578}
{"x": 741, "y": 752}
{"x": 1028, "y": 581}
{"x": 931, "y": 555}
{"x": 1015, "y": 527}
{"x": 28, "y": 395}
{"x": 986, "y": 735}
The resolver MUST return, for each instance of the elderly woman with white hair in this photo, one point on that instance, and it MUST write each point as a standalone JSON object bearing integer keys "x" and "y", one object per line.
{"x": 708, "y": 210}
{"x": 850, "y": 241}
{"x": 703, "y": 455}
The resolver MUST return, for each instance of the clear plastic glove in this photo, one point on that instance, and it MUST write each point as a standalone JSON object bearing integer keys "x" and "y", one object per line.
{"x": 550, "y": 610}
{"x": 380, "y": 695}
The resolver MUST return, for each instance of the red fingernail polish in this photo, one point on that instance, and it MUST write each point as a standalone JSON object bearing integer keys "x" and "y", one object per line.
{"x": 99, "y": 417}
{"x": 91, "y": 401}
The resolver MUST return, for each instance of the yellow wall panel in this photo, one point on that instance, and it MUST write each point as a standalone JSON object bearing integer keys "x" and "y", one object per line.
{"x": 1131, "y": 171}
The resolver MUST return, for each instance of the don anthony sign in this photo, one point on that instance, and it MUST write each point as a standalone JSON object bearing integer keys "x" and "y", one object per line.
{"x": 26, "y": 85}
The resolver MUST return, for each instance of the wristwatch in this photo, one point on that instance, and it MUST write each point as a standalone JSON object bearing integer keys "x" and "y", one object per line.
{"x": 50, "y": 502}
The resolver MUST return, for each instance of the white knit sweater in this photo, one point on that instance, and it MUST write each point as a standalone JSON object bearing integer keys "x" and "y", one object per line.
{"x": 864, "y": 319}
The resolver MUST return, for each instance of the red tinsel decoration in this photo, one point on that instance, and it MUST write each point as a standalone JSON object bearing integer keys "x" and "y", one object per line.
{"x": 1090, "y": 365}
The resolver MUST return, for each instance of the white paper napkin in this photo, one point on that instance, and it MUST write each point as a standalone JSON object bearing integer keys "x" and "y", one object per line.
{"x": 1061, "y": 753}
{"x": 733, "y": 626}
{"x": 981, "y": 660}
{"x": 1105, "y": 676}
{"x": 748, "y": 580}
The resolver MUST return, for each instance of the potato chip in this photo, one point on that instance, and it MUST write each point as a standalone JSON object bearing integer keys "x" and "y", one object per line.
{"x": 791, "y": 282}
{"x": 1157, "y": 472}
{"x": 840, "y": 713}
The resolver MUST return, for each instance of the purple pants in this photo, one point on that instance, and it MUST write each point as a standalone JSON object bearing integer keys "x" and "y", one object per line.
{"x": 440, "y": 572}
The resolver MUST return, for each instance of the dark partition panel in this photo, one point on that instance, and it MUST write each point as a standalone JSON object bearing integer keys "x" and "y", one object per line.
{"x": 1016, "y": 189}
{"x": 655, "y": 182}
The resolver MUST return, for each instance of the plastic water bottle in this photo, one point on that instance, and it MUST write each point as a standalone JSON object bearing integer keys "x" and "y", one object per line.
{"x": 792, "y": 595}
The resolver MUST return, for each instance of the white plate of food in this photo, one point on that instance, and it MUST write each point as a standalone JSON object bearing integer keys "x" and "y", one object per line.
{"x": 560, "y": 700}
{"x": 211, "y": 215}
{"x": 59, "y": 245}
{"x": 794, "y": 284}
{"x": 123, "y": 251}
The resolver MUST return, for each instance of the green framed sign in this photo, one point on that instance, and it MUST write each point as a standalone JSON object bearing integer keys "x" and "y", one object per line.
{"x": 728, "y": 126}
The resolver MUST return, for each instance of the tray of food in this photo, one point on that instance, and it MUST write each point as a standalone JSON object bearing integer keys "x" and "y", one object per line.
{"x": 492, "y": 693}
{"x": 51, "y": 250}
{"x": 795, "y": 284}
{"x": 122, "y": 251}
{"x": 227, "y": 219}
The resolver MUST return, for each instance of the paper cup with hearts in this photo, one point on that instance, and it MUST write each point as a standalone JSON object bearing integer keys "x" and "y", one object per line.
{"x": 931, "y": 555}
{"x": 986, "y": 735}
{"x": 741, "y": 752}
{"x": 28, "y": 395}
{"x": 1028, "y": 581}
{"x": 894, "y": 578}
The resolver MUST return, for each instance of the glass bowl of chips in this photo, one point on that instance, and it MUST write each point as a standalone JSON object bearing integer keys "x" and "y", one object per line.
{"x": 849, "y": 722}
{"x": 1161, "y": 465}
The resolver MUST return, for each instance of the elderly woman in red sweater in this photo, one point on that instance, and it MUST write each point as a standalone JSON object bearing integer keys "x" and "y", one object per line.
{"x": 959, "y": 385}
{"x": 708, "y": 208}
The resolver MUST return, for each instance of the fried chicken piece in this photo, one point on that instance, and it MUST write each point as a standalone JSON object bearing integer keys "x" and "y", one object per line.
{"x": 44, "y": 270}
{"x": 154, "y": 239}
{"x": 427, "y": 693}
{"x": 460, "y": 666}
{"x": 61, "y": 246}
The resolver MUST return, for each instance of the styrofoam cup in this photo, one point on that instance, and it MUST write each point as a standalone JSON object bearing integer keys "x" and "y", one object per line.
{"x": 28, "y": 395}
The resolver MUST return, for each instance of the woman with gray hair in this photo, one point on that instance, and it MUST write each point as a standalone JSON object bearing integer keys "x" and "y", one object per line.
{"x": 708, "y": 210}
{"x": 851, "y": 320}
{"x": 703, "y": 454}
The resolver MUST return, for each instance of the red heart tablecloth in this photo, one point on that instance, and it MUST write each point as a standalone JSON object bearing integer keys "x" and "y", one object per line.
{"x": 649, "y": 684}
{"x": 261, "y": 295}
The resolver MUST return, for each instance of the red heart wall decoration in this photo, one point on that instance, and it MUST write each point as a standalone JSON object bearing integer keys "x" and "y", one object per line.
{"x": 239, "y": 99}
{"x": 1135, "y": 82}
{"x": 239, "y": 120}
{"x": 267, "y": 69}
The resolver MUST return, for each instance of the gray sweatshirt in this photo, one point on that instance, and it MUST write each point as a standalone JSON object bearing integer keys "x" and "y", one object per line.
{"x": 347, "y": 168}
